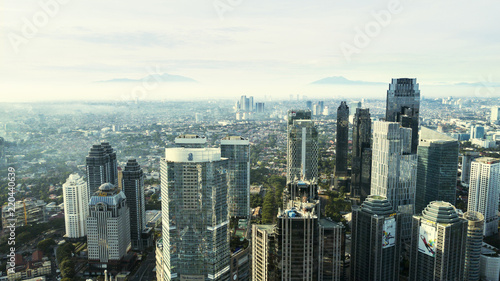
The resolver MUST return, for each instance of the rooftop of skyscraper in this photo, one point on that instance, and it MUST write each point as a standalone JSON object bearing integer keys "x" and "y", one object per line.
{"x": 487, "y": 160}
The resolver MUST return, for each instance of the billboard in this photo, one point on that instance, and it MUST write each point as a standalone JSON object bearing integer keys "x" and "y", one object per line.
{"x": 427, "y": 239}
{"x": 389, "y": 233}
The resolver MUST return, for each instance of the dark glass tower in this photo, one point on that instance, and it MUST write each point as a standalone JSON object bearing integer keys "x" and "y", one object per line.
{"x": 101, "y": 167}
{"x": 133, "y": 187}
{"x": 342, "y": 139}
{"x": 438, "y": 243}
{"x": 376, "y": 240}
{"x": 361, "y": 154}
{"x": 403, "y": 105}
{"x": 237, "y": 150}
{"x": 436, "y": 169}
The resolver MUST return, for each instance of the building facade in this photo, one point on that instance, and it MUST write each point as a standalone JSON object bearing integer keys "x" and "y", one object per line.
{"x": 76, "y": 206}
{"x": 403, "y": 106}
{"x": 108, "y": 226}
{"x": 342, "y": 145}
{"x": 302, "y": 147}
{"x": 361, "y": 153}
{"x": 237, "y": 150}
{"x": 484, "y": 191}
{"x": 376, "y": 236}
{"x": 263, "y": 268}
{"x": 438, "y": 244}
{"x": 437, "y": 169}
{"x": 467, "y": 159}
{"x": 394, "y": 170}
{"x": 101, "y": 167}
{"x": 474, "y": 243}
{"x": 133, "y": 187}
{"x": 194, "y": 202}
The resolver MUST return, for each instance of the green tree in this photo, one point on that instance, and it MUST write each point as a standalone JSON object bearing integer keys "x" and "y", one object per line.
{"x": 46, "y": 244}
{"x": 269, "y": 207}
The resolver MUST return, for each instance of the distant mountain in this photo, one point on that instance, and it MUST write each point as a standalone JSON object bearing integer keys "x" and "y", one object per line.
{"x": 165, "y": 77}
{"x": 340, "y": 80}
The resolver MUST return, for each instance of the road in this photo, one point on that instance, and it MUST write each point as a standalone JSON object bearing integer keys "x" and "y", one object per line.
{"x": 145, "y": 271}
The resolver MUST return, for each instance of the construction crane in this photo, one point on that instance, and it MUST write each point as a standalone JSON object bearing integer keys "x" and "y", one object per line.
{"x": 25, "y": 213}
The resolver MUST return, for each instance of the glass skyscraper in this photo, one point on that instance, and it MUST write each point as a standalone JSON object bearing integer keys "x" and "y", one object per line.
{"x": 195, "y": 215}
{"x": 101, "y": 167}
{"x": 341, "y": 149}
{"x": 403, "y": 106}
{"x": 437, "y": 169}
{"x": 237, "y": 150}
{"x": 302, "y": 147}
{"x": 133, "y": 186}
{"x": 361, "y": 153}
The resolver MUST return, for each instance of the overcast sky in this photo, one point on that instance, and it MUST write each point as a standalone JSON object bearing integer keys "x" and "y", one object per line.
{"x": 253, "y": 47}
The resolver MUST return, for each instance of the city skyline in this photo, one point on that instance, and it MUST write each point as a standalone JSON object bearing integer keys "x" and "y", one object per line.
{"x": 255, "y": 48}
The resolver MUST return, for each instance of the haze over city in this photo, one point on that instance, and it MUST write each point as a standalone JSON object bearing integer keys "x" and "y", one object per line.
{"x": 94, "y": 50}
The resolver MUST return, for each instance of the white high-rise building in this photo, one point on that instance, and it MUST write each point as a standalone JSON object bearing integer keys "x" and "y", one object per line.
{"x": 484, "y": 191}
{"x": 495, "y": 115}
{"x": 394, "y": 170}
{"x": 108, "y": 226}
{"x": 76, "y": 201}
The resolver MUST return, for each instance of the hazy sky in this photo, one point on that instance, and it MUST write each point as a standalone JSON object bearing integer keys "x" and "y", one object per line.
{"x": 61, "y": 50}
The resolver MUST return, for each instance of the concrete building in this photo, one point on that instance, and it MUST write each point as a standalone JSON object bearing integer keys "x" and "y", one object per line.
{"x": 490, "y": 263}
{"x": 437, "y": 169}
{"x": 26, "y": 212}
{"x": 108, "y": 227}
{"x": 403, "y": 106}
{"x": 438, "y": 244}
{"x": 237, "y": 150}
{"x": 484, "y": 191}
{"x": 467, "y": 159}
{"x": 76, "y": 206}
{"x": 477, "y": 132}
{"x": 495, "y": 115}
{"x": 376, "y": 236}
{"x": 394, "y": 170}
{"x": 194, "y": 202}
{"x": 475, "y": 226}
{"x": 342, "y": 144}
{"x": 190, "y": 141}
{"x": 302, "y": 147}
{"x": 361, "y": 154}
{"x": 133, "y": 187}
{"x": 263, "y": 268}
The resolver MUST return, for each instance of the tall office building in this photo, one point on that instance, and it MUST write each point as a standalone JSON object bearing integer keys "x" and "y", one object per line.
{"x": 467, "y": 159}
{"x": 495, "y": 115}
{"x": 194, "y": 201}
{"x": 133, "y": 187}
{"x": 309, "y": 105}
{"x": 484, "y": 191}
{"x": 263, "y": 268}
{"x": 474, "y": 243}
{"x": 331, "y": 250}
{"x": 108, "y": 227}
{"x": 101, "y": 167}
{"x": 237, "y": 150}
{"x": 476, "y": 132}
{"x": 342, "y": 145}
{"x": 437, "y": 169}
{"x": 302, "y": 147}
{"x": 438, "y": 243}
{"x": 376, "y": 236}
{"x": 403, "y": 105}
{"x": 76, "y": 206}
{"x": 394, "y": 170}
{"x": 361, "y": 154}
{"x": 259, "y": 107}
{"x": 298, "y": 241}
